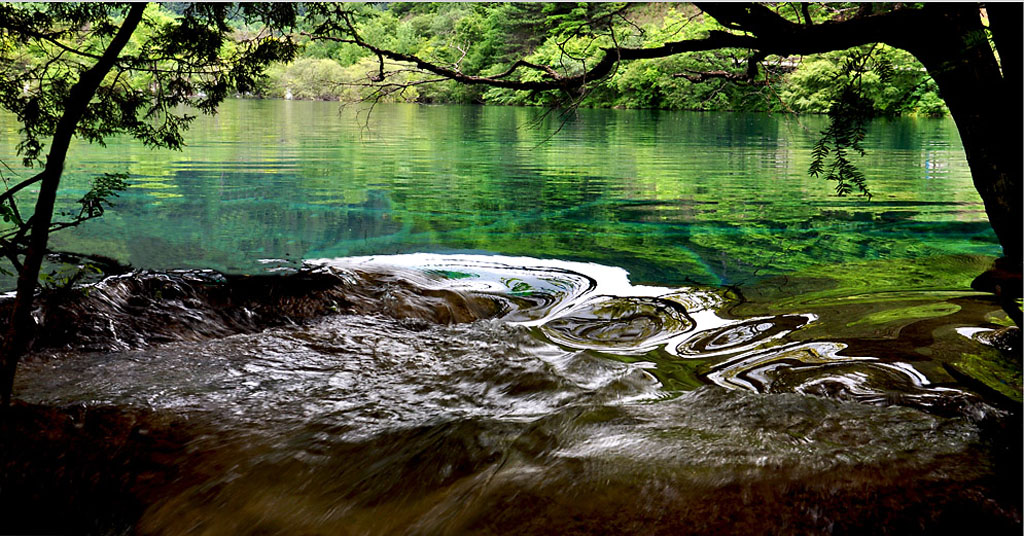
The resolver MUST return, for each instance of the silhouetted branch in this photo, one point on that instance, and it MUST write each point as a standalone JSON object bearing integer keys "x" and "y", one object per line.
{"x": 748, "y": 77}
{"x": 771, "y": 35}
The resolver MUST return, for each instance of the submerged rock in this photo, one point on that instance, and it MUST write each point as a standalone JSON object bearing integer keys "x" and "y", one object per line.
{"x": 1003, "y": 279}
{"x": 1005, "y": 339}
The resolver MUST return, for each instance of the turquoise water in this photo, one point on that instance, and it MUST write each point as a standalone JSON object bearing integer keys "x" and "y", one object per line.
{"x": 671, "y": 197}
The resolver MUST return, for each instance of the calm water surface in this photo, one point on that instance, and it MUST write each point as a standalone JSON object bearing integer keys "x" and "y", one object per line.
{"x": 640, "y": 322}
{"x": 671, "y": 197}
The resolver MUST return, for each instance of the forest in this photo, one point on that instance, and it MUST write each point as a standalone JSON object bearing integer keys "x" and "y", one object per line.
{"x": 485, "y": 38}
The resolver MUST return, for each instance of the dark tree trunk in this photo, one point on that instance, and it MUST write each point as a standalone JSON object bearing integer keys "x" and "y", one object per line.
{"x": 986, "y": 104}
{"x": 21, "y": 326}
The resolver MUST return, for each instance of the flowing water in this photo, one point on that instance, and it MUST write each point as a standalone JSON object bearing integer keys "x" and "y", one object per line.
{"x": 652, "y": 323}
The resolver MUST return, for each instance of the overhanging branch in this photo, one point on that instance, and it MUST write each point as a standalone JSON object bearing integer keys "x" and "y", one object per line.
{"x": 766, "y": 33}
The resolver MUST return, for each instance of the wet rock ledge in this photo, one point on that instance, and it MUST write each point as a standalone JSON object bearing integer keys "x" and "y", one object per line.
{"x": 144, "y": 308}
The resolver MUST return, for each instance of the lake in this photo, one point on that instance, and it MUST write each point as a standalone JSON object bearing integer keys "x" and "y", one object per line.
{"x": 671, "y": 197}
{"x": 461, "y": 319}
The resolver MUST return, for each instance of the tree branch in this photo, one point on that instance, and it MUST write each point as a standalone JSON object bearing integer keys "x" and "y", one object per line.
{"x": 52, "y": 40}
{"x": 772, "y": 34}
{"x": 445, "y": 72}
{"x": 9, "y": 194}
{"x": 19, "y": 330}
{"x": 523, "y": 63}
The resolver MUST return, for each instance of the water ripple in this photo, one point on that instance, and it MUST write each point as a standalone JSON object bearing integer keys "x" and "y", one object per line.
{"x": 741, "y": 336}
{"x": 625, "y": 325}
{"x": 400, "y": 340}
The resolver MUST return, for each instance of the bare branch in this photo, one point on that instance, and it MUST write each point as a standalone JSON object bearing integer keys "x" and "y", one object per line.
{"x": 458, "y": 62}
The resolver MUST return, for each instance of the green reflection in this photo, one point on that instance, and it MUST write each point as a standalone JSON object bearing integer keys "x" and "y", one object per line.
{"x": 902, "y": 314}
{"x": 673, "y": 197}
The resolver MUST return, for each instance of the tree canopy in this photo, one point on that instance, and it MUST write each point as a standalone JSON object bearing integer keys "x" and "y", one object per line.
{"x": 487, "y": 38}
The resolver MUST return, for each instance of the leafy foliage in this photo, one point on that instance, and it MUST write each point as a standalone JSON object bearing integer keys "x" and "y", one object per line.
{"x": 63, "y": 278}
{"x": 848, "y": 115}
{"x": 305, "y": 79}
{"x": 103, "y": 188}
{"x": 173, "y": 65}
{"x": 93, "y": 204}
{"x": 897, "y": 85}
{"x": 486, "y": 39}
{"x": 171, "y": 61}
{"x": 10, "y": 213}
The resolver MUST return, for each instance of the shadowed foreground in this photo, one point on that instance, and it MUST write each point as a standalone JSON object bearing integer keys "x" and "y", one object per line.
{"x": 475, "y": 396}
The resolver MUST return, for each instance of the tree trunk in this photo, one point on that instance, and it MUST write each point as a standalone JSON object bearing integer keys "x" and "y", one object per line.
{"x": 21, "y": 326}
{"x": 986, "y": 105}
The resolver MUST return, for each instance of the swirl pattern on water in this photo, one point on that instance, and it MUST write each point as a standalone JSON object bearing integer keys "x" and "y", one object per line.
{"x": 594, "y": 308}
{"x": 414, "y": 337}
{"x": 529, "y": 292}
{"x": 470, "y": 389}
{"x": 741, "y": 336}
{"x": 819, "y": 369}
{"x": 624, "y": 325}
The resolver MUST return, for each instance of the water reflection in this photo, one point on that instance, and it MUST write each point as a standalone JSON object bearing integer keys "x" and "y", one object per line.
{"x": 673, "y": 197}
{"x": 741, "y": 336}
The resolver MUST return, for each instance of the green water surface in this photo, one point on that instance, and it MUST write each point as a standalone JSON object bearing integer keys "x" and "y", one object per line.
{"x": 709, "y": 198}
